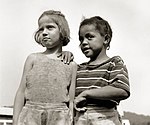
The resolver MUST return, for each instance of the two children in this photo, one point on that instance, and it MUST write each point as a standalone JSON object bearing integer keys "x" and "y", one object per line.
{"x": 47, "y": 88}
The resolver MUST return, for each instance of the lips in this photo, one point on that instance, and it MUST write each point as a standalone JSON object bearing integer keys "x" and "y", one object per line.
{"x": 85, "y": 49}
{"x": 45, "y": 39}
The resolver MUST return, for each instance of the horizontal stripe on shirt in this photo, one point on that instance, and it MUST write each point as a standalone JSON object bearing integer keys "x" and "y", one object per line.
{"x": 113, "y": 73}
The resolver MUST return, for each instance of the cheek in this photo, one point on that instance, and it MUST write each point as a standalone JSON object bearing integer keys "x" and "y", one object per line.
{"x": 59, "y": 36}
{"x": 98, "y": 43}
{"x": 81, "y": 46}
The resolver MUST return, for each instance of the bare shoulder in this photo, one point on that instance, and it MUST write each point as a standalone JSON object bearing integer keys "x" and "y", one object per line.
{"x": 73, "y": 65}
{"x": 31, "y": 57}
{"x": 30, "y": 60}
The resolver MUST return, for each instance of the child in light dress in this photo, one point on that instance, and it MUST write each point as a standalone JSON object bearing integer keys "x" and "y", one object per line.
{"x": 46, "y": 92}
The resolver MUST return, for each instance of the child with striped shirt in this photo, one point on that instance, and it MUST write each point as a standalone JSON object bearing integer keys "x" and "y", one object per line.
{"x": 103, "y": 81}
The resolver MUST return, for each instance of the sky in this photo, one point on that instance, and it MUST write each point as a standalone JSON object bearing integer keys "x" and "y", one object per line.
{"x": 130, "y": 22}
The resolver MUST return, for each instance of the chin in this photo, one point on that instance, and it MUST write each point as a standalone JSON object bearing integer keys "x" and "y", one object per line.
{"x": 87, "y": 55}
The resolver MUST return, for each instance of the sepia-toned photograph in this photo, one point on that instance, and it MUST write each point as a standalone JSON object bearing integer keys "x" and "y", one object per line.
{"x": 74, "y": 62}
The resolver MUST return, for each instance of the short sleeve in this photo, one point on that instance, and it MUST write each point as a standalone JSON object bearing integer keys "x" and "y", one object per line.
{"x": 119, "y": 74}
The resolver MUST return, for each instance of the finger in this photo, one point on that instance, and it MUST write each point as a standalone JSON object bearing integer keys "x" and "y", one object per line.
{"x": 68, "y": 58}
{"x": 65, "y": 59}
{"x": 83, "y": 109}
{"x": 72, "y": 58}
{"x": 62, "y": 58}
{"x": 59, "y": 55}
{"x": 77, "y": 109}
{"x": 76, "y": 101}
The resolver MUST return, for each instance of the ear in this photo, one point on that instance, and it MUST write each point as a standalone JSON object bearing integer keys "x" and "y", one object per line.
{"x": 106, "y": 42}
{"x": 106, "y": 38}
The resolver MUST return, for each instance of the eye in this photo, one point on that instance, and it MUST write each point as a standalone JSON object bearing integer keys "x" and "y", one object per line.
{"x": 40, "y": 29}
{"x": 50, "y": 27}
{"x": 89, "y": 36}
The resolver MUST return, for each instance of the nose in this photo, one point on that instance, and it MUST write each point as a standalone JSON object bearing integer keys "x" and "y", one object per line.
{"x": 45, "y": 32}
{"x": 84, "y": 42}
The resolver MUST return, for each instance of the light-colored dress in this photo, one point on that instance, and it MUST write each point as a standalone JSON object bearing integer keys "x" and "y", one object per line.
{"x": 47, "y": 95}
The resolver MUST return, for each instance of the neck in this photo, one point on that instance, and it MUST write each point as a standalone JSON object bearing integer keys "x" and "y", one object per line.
{"x": 53, "y": 52}
{"x": 102, "y": 57}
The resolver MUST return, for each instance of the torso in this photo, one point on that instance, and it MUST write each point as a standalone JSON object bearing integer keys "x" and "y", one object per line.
{"x": 48, "y": 81}
{"x": 94, "y": 76}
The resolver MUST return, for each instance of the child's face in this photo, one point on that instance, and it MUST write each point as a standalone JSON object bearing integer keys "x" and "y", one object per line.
{"x": 49, "y": 33}
{"x": 91, "y": 41}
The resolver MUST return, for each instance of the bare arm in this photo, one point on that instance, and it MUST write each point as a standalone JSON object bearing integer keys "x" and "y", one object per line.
{"x": 19, "y": 98}
{"x": 105, "y": 93}
{"x": 117, "y": 90}
{"x": 72, "y": 88}
{"x": 66, "y": 57}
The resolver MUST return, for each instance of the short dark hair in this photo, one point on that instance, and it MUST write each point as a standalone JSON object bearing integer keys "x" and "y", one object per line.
{"x": 101, "y": 25}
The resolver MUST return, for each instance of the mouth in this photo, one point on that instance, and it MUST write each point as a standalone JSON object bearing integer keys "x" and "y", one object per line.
{"x": 45, "y": 39}
{"x": 85, "y": 49}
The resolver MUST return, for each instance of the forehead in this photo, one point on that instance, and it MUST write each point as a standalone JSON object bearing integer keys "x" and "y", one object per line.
{"x": 46, "y": 20}
{"x": 87, "y": 29}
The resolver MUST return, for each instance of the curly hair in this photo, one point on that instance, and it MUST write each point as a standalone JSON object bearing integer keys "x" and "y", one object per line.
{"x": 101, "y": 25}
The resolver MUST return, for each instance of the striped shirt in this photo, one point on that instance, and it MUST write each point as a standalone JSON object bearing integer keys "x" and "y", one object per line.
{"x": 112, "y": 72}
